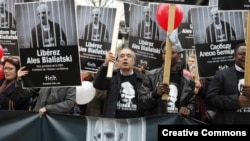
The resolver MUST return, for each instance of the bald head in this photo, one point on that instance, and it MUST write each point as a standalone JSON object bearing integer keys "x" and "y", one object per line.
{"x": 105, "y": 129}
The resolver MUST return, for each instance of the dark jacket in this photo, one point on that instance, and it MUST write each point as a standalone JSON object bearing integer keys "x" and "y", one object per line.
{"x": 11, "y": 94}
{"x": 223, "y": 96}
{"x": 113, "y": 86}
{"x": 152, "y": 103}
{"x": 55, "y": 99}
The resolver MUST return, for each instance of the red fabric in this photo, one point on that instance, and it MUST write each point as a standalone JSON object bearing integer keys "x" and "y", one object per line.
{"x": 187, "y": 73}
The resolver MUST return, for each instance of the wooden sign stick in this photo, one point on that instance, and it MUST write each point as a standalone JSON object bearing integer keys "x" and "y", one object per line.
{"x": 247, "y": 59}
{"x": 115, "y": 35}
{"x": 168, "y": 55}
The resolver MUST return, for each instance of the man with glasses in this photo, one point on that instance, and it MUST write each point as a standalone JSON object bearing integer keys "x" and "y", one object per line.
{"x": 124, "y": 80}
{"x": 47, "y": 33}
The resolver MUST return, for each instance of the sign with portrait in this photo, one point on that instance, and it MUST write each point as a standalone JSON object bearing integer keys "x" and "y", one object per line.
{"x": 95, "y": 29}
{"x": 146, "y": 37}
{"x": 216, "y": 37}
{"x": 48, "y": 47}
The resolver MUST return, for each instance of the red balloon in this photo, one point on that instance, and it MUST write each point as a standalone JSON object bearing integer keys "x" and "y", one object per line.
{"x": 163, "y": 12}
{"x": 1, "y": 51}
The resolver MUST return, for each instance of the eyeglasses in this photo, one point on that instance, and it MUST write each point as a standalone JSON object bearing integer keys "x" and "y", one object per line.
{"x": 125, "y": 55}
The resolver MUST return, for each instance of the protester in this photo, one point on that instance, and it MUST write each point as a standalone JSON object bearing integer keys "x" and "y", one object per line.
{"x": 49, "y": 100}
{"x": 10, "y": 98}
{"x": 191, "y": 61}
{"x": 180, "y": 86}
{"x": 95, "y": 106}
{"x": 122, "y": 97}
{"x": 200, "y": 94}
{"x": 227, "y": 95}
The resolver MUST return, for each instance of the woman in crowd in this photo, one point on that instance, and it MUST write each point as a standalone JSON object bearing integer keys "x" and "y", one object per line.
{"x": 10, "y": 99}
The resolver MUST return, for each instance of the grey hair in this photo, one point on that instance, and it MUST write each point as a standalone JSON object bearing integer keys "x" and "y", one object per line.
{"x": 43, "y": 5}
{"x": 133, "y": 53}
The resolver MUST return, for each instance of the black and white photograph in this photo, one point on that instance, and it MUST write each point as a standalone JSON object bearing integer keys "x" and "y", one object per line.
{"x": 103, "y": 129}
{"x": 144, "y": 24}
{"x": 46, "y": 24}
{"x": 218, "y": 27}
{"x": 48, "y": 43}
{"x": 148, "y": 28}
{"x": 215, "y": 37}
{"x": 95, "y": 30}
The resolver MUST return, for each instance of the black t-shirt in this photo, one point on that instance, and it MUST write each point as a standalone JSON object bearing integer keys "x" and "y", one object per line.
{"x": 126, "y": 106}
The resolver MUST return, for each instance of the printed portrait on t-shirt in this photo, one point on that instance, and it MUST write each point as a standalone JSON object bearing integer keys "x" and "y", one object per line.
{"x": 127, "y": 98}
{"x": 172, "y": 98}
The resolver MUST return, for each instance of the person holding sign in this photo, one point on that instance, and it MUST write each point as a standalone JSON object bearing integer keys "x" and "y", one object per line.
{"x": 180, "y": 90}
{"x": 122, "y": 96}
{"x": 47, "y": 33}
{"x": 48, "y": 100}
{"x": 227, "y": 95}
{"x": 10, "y": 98}
{"x": 219, "y": 30}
